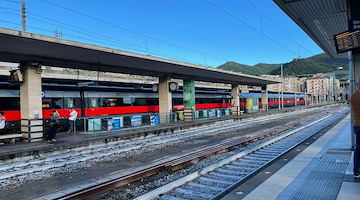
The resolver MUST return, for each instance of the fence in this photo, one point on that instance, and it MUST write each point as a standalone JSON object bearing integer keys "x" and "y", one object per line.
{"x": 110, "y": 123}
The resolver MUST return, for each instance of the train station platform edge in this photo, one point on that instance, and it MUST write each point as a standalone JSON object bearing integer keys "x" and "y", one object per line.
{"x": 324, "y": 170}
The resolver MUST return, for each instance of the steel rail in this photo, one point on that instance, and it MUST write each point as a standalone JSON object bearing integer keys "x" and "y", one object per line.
{"x": 252, "y": 160}
{"x": 173, "y": 165}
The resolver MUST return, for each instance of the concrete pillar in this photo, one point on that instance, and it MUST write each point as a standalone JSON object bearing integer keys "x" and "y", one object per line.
{"x": 31, "y": 103}
{"x": 189, "y": 99}
{"x": 165, "y": 100}
{"x": 235, "y": 99}
{"x": 264, "y": 98}
{"x": 295, "y": 99}
{"x": 354, "y": 74}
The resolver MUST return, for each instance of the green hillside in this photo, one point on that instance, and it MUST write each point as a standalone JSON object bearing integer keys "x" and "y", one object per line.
{"x": 258, "y": 69}
{"x": 321, "y": 63}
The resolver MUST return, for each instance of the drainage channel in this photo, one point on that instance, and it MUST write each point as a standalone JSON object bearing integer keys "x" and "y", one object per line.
{"x": 217, "y": 180}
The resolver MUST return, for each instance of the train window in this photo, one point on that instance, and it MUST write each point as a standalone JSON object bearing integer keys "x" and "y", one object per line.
{"x": 115, "y": 102}
{"x": 46, "y": 103}
{"x": 70, "y": 103}
{"x": 128, "y": 101}
{"x": 91, "y": 102}
{"x": 14, "y": 103}
{"x": 9, "y": 103}
{"x": 177, "y": 101}
{"x": 153, "y": 101}
{"x": 57, "y": 103}
{"x": 146, "y": 102}
{"x": 141, "y": 102}
{"x": 78, "y": 103}
{"x": 202, "y": 100}
{"x": 105, "y": 102}
{"x": 197, "y": 101}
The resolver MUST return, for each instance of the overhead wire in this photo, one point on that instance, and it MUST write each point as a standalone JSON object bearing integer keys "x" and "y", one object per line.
{"x": 12, "y": 1}
{"x": 281, "y": 29}
{"x": 131, "y": 31}
{"x": 8, "y": 12}
{"x": 8, "y": 22}
{"x": 105, "y": 43}
{"x": 102, "y": 37}
{"x": 84, "y": 32}
{"x": 9, "y": 9}
{"x": 248, "y": 25}
{"x": 109, "y": 41}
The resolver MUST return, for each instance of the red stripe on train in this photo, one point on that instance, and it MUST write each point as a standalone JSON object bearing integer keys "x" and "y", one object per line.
{"x": 12, "y": 115}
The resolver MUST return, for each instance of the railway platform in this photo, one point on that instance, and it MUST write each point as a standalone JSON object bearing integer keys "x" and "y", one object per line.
{"x": 323, "y": 170}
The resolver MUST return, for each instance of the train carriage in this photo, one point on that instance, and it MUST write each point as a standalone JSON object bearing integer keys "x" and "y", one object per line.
{"x": 102, "y": 100}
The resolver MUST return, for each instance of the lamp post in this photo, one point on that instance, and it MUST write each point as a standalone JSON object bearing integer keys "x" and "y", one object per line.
{"x": 282, "y": 87}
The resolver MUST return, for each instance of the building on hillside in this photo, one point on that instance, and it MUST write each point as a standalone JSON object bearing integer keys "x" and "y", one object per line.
{"x": 303, "y": 84}
{"x": 290, "y": 84}
{"x": 323, "y": 87}
{"x": 344, "y": 89}
{"x": 273, "y": 87}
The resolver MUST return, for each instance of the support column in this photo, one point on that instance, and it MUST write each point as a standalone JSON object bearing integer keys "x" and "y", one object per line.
{"x": 31, "y": 103}
{"x": 295, "y": 99}
{"x": 235, "y": 99}
{"x": 165, "y": 100}
{"x": 354, "y": 61}
{"x": 189, "y": 99}
{"x": 264, "y": 98}
{"x": 354, "y": 74}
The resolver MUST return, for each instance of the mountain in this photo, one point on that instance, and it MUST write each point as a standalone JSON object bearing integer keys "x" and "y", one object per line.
{"x": 258, "y": 69}
{"x": 320, "y": 63}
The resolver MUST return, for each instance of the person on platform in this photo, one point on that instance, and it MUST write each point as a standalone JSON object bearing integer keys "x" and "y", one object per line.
{"x": 355, "y": 105}
{"x": 54, "y": 125}
{"x": 2, "y": 123}
{"x": 72, "y": 119}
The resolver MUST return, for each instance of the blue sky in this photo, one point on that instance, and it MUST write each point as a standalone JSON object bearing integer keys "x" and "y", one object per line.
{"x": 204, "y": 32}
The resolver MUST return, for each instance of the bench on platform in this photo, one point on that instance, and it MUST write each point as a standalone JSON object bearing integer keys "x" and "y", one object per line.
{"x": 11, "y": 137}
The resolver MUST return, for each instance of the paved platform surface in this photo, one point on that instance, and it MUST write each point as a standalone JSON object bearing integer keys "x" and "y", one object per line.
{"x": 322, "y": 171}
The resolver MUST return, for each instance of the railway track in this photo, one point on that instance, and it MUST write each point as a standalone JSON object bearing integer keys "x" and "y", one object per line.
{"x": 216, "y": 181}
{"x": 249, "y": 165}
{"x": 76, "y": 158}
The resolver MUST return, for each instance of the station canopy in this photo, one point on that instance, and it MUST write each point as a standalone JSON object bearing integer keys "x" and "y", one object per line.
{"x": 320, "y": 19}
{"x": 17, "y": 46}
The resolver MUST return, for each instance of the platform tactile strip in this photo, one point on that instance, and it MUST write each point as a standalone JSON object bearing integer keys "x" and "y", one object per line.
{"x": 317, "y": 189}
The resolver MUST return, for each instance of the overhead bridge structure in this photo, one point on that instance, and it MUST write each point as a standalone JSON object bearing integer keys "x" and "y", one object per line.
{"x": 20, "y": 47}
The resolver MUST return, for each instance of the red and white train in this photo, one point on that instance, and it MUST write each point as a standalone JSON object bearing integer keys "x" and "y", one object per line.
{"x": 109, "y": 100}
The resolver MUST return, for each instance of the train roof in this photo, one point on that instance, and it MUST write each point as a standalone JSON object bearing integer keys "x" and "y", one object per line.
{"x": 258, "y": 95}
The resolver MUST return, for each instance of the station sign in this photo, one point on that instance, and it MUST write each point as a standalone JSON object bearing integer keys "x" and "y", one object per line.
{"x": 347, "y": 41}
{"x": 354, "y": 24}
